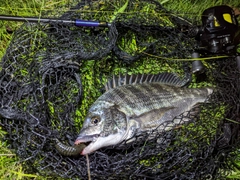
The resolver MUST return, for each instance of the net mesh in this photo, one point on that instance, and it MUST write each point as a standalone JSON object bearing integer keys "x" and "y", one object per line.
{"x": 52, "y": 72}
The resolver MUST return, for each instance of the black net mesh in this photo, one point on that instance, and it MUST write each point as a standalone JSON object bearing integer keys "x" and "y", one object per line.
{"x": 49, "y": 68}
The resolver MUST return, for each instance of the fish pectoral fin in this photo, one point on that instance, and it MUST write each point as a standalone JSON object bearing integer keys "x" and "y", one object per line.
{"x": 153, "y": 118}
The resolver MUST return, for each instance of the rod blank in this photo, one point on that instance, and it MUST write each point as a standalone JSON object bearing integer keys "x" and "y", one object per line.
{"x": 78, "y": 22}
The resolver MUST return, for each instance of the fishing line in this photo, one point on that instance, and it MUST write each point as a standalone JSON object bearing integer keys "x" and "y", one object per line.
{"x": 88, "y": 167}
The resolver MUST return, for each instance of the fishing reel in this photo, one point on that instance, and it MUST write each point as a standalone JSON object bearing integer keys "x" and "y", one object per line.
{"x": 218, "y": 35}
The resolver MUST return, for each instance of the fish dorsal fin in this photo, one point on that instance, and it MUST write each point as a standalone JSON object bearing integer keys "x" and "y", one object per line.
{"x": 164, "y": 78}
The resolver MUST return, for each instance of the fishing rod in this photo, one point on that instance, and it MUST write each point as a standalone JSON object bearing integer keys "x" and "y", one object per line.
{"x": 77, "y": 22}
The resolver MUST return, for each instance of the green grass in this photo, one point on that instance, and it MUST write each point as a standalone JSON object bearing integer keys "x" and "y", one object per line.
{"x": 10, "y": 168}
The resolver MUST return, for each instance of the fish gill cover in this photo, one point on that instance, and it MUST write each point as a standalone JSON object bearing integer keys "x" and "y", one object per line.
{"x": 52, "y": 73}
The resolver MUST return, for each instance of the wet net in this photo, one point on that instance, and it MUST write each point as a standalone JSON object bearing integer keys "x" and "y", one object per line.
{"x": 52, "y": 72}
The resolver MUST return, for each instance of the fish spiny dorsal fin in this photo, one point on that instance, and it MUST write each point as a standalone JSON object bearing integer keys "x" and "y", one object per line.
{"x": 164, "y": 78}
{"x": 115, "y": 81}
{"x": 170, "y": 79}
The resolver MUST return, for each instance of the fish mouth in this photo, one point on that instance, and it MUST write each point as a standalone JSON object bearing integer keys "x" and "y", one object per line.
{"x": 87, "y": 140}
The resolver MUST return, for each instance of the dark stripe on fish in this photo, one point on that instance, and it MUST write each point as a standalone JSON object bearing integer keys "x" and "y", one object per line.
{"x": 118, "y": 95}
{"x": 148, "y": 96}
{"x": 138, "y": 96}
{"x": 161, "y": 91}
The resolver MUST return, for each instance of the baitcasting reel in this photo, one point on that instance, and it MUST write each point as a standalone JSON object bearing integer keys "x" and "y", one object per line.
{"x": 219, "y": 34}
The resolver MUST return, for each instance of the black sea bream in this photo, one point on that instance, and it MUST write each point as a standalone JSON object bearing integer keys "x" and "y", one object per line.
{"x": 135, "y": 104}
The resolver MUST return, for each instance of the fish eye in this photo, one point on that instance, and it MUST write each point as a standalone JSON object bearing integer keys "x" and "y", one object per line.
{"x": 95, "y": 120}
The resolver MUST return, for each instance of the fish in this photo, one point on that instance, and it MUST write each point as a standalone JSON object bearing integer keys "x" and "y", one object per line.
{"x": 134, "y": 104}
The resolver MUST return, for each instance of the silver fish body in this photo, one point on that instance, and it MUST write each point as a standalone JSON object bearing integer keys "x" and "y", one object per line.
{"x": 130, "y": 109}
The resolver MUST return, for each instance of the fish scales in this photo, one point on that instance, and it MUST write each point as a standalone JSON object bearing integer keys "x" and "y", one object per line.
{"x": 135, "y": 95}
{"x": 134, "y": 104}
{"x": 141, "y": 98}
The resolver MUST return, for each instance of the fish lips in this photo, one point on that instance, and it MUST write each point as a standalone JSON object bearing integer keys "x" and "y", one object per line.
{"x": 86, "y": 139}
